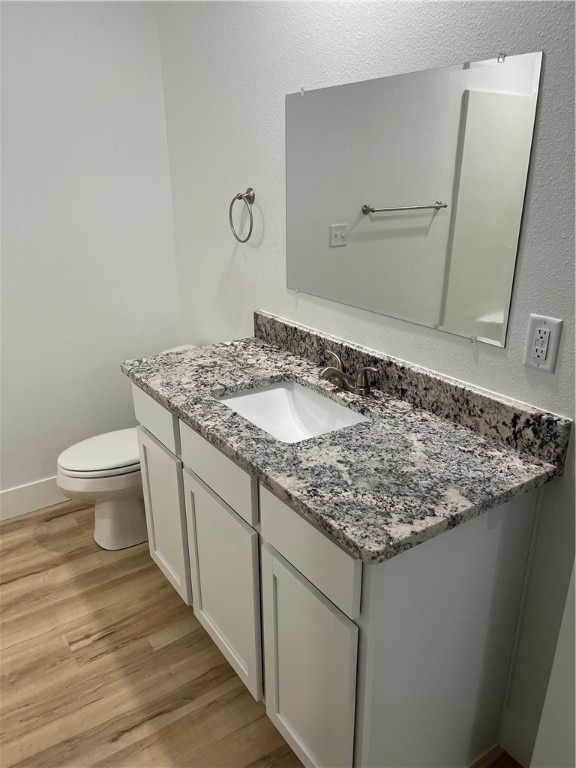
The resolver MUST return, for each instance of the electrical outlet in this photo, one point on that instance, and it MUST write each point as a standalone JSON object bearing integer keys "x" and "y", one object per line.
{"x": 338, "y": 235}
{"x": 542, "y": 342}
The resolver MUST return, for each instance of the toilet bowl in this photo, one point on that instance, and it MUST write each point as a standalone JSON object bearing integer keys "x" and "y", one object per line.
{"x": 105, "y": 471}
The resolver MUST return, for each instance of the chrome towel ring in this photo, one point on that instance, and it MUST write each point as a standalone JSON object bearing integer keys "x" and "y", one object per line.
{"x": 249, "y": 196}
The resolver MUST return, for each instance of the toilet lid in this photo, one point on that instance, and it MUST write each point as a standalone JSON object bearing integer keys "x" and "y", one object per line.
{"x": 110, "y": 452}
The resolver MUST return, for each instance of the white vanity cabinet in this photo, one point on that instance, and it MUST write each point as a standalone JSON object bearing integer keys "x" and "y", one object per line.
{"x": 163, "y": 500}
{"x": 309, "y": 585}
{"x": 224, "y": 567}
{"x": 397, "y": 663}
{"x": 199, "y": 533}
{"x": 419, "y": 677}
{"x": 311, "y": 654}
{"x": 163, "y": 491}
{"x": 221, "y": 508}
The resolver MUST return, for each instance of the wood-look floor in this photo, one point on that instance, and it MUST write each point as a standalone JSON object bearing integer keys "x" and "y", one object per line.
{"x": 103, "y": 665}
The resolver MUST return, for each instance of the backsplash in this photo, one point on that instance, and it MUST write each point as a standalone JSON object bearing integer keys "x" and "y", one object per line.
{"x": 521, "y": 426}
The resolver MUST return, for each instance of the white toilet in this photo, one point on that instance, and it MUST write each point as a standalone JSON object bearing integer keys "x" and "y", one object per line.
{"x": 105, "y": 471}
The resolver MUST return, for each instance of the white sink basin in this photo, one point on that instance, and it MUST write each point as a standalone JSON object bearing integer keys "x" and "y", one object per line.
{"x": 290, "y": 412}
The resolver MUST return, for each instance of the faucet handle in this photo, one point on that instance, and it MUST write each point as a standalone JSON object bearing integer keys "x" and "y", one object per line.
{"x": 362, "y": 382}
{"x": 338, "y": 360}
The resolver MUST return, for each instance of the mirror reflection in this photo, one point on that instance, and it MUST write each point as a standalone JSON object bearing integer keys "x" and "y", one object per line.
{"x": 405, "y": 194}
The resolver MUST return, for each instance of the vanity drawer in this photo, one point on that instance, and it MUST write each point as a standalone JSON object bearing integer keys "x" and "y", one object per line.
{"x": 232, "y": 483}
{"x": 334, "y": 572}
{"x": 157, "y": 419}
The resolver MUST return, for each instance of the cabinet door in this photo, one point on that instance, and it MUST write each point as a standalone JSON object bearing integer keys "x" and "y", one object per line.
{"x": 310, "y": 651}
{"x": 165, "y": 516}
{"x": 225, "y": 579}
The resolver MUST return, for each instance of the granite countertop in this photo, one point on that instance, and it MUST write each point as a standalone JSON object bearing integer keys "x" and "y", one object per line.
{"x": 377, "y": 488}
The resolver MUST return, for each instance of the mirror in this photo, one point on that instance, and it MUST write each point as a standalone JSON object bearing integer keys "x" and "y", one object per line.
{"x": 445, "y": 153}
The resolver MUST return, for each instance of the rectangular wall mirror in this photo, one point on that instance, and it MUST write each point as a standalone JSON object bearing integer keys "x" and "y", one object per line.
{"x": 445, "y": 153}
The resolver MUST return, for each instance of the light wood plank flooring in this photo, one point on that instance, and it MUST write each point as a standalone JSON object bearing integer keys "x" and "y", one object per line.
{"x": 103, "y": 665}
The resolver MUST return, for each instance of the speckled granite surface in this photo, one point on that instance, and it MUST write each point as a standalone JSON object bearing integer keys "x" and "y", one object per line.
{"x": 521, "y": 426}
{"x": 377, "y": 488}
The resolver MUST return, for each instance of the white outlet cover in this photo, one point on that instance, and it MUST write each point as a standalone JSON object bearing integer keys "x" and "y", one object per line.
{"x": 554, "y": 326}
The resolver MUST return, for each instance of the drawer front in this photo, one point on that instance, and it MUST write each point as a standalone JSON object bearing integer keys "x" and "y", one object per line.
{"x": 227, "y": 479}
{"x": 157, "y": 419}
{"x": 335, "y": 573}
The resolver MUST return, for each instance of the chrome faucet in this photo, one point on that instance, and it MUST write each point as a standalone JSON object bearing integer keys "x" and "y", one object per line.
{"x": 358, "y": 383}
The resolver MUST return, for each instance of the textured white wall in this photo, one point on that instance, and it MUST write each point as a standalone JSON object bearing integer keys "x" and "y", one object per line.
{"x": 88, "y": 271}
{"x": 227, "y": 68}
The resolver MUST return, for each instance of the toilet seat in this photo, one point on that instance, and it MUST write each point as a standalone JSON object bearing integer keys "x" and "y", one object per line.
{"x": 102, "y": 473}
{"x": 108, "y": 455}
{"x": 95, "y": 487}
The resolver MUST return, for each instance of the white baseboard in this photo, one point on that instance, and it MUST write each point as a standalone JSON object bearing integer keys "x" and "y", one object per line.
{"x": 27, "y": 498}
